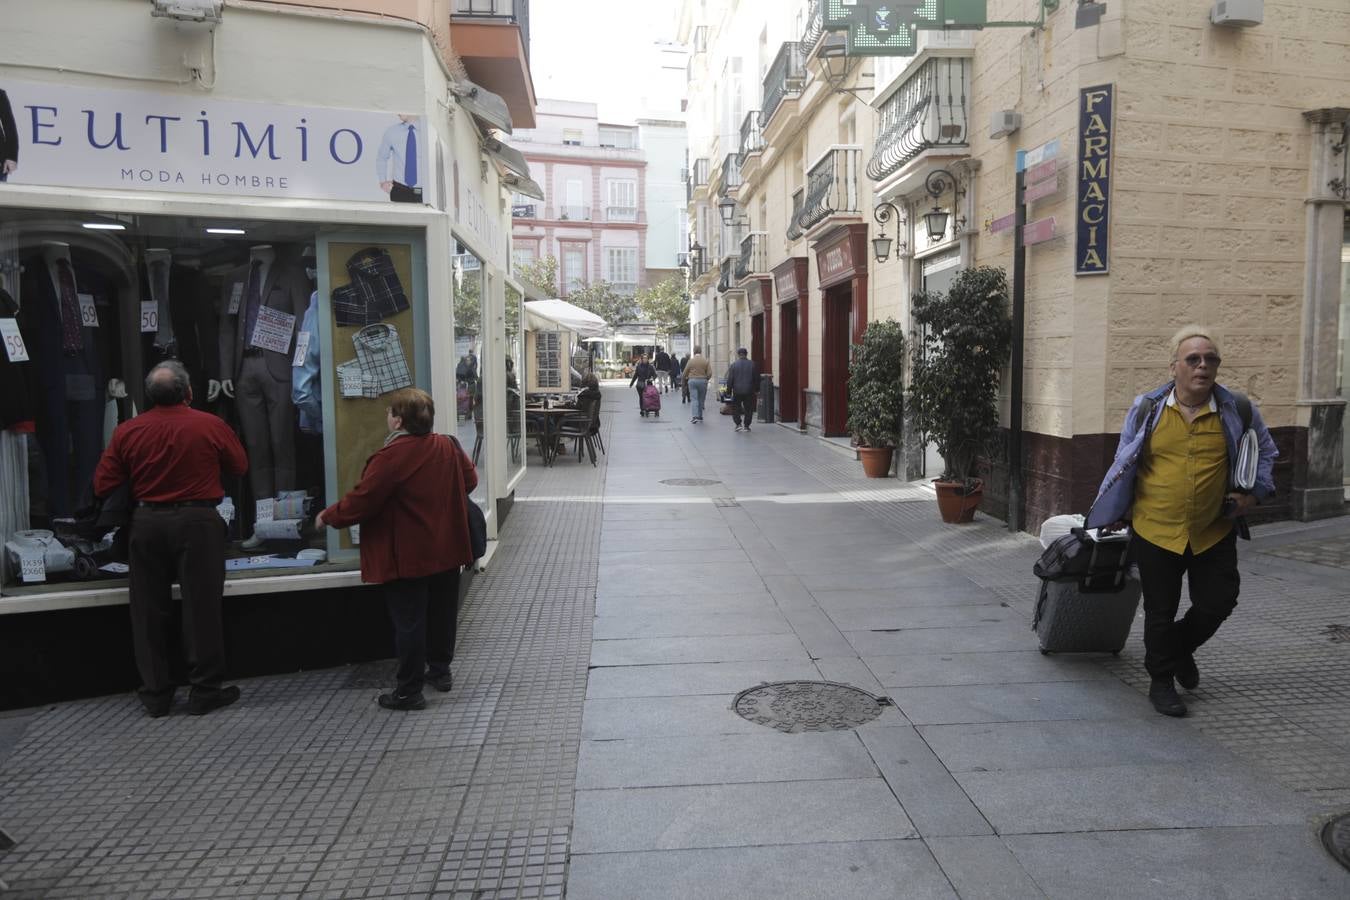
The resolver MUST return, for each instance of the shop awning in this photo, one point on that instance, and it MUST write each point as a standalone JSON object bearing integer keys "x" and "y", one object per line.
{"x": 523, "y": 186}
{"x": 483, "y": 105}
{"x": 511, "y": 158}
{"x": 550, "y": 315}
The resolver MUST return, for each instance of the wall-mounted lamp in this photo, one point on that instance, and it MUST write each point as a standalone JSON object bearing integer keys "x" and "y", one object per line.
{"x": 727, "y": 207}
{"x": 935, "y": 221}
{"x": 881, "y": 244}
{"x": 1089, "y": 13}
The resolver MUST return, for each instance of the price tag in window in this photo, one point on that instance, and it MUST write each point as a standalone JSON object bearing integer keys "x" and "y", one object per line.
{"x": 33, "y": 565}
{"x": 236, "y": 294}
{"x": 14, "y": 348}
{"x": 149, "y": 316}
{"x": 265, "y": 509}
{"x": 355, "y": 531}
{"x": 301, "y": 348}
{"x": 88, "y": 312}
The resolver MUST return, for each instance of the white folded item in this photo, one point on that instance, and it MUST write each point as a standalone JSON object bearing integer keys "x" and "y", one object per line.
{"x": 1249, "y": 455}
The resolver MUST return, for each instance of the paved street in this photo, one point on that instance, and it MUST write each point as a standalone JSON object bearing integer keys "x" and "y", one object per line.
{"x": 590, "y": 748}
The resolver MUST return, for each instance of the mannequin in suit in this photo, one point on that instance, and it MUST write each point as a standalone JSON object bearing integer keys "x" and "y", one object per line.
{"x": 188, "y": 323}
{"x": 9, "y": 139}
{"x": 69, "y": 374}
{"x": 259, "y": 378}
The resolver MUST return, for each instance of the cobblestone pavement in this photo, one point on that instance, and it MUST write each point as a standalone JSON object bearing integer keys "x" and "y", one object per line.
{"x": 996, "y": 773}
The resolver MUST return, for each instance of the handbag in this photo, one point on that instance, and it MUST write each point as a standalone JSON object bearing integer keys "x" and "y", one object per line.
{"x": 1094, "y": 560}
{"x": 477, "y": 520}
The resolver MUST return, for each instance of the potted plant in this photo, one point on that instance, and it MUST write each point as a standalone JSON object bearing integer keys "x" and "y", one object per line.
{"x": 876, "y": 390}
{"x": 954, "y": 379}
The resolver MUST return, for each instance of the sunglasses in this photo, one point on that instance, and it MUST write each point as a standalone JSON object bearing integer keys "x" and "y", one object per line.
{"x": 1210, "y": 359}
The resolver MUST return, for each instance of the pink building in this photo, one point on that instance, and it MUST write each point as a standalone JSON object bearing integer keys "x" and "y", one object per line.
{"x": 593, "y": 216}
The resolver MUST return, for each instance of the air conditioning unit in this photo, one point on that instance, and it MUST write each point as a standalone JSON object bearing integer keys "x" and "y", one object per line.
{"x": 1238, "y": 13}
{"x": 1004, "y": 122}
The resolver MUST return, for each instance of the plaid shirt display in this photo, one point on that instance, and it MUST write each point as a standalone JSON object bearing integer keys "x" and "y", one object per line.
{"x": 381, "y": 356}
{"x": 375, "y": 292}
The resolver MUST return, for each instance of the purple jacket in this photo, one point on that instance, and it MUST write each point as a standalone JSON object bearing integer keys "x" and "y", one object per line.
{"x": 1116, "y": 495}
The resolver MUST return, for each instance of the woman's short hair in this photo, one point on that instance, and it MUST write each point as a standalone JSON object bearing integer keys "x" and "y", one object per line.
{"x": 415, "y": 407}
{"x": 167, "y": 390}
{"x": 1186, "y": 332}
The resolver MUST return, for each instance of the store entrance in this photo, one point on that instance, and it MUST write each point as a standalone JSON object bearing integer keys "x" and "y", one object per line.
{"x": 788, "y": 387}
{"x": 838, "y": 312}
{"x": 757, "y": 342}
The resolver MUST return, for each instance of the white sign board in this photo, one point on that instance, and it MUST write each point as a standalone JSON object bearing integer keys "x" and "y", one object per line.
{"x": 187, "y": 142}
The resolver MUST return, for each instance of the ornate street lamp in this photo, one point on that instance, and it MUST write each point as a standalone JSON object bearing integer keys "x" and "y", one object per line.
{"x": 936, "y": 185}
{"x": 881, "y": 244}
{"x": 727, "y": 207}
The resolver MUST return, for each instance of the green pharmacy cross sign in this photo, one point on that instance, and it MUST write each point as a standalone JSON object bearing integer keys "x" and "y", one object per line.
{"x": 888, "y": 27}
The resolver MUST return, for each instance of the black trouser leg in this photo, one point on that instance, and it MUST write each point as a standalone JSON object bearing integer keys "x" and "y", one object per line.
{"x": 1213, "y": 580}
{"x": 442, "y": 613}
{"x": 407, "y": 602}
{"x": 200, "y": 536}
{"x": 152, "y": 614}
{"x": 746, "y": 404}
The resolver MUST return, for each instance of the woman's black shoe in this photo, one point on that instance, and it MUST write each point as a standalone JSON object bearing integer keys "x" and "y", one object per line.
{"x": 1163, "y": 695}
{"x": 395, "y": 701}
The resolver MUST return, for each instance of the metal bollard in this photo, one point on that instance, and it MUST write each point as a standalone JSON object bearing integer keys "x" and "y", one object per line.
{"x": 766, "y": 408}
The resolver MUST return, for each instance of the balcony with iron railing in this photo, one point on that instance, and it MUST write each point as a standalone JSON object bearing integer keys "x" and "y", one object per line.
{"x": 731, "y": 175}
{"x": 832, "y": 188}
{"x": 794, "y": 231}
{"x": 724, "y": 283}
{"x": 698, "y": 177}
{"x": 752, "y": 139}
{"x": 491, "y": 38}
{"x": 574, "y": 213}
{"x": 931, "y": 110}
{"x": 816, "y": 40}
{"x": 621, "y": 214}
{"x": 754, "y": 258}
{"x": 786, "y": 78}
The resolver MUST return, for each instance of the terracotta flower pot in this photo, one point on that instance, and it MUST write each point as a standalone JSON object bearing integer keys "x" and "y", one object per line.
{"x": 957, "y": 508}
{"x": 876, "y": 461}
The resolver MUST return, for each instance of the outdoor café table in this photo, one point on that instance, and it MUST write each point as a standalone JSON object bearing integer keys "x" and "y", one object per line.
{"x": 550, "y": 419}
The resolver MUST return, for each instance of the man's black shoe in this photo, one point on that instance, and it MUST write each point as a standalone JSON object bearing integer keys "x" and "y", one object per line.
{"x": 156, "y": 705}
{"x": 200, "y": 702}
{"x": 442, "y": 683}
{"x": 395, "y": 701}
{"x": 1163, "y": 695}
{"x": 1188, "y": 674}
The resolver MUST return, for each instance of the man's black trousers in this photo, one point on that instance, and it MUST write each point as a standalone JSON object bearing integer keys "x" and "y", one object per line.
{"x": 1213, "y": 579}
{"x": 186, "y": 545}
{"x": 423, "y": 611}
{"x": 745, "y": 408}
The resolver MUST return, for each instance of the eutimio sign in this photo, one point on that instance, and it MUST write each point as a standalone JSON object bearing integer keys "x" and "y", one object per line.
{"x": 102, "y": 138}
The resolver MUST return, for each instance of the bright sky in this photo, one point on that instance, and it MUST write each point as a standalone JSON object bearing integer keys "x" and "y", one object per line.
{"x": 589, "y": 50}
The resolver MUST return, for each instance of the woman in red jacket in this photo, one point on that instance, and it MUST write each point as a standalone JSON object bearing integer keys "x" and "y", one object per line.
{"x": 411, "y": 504}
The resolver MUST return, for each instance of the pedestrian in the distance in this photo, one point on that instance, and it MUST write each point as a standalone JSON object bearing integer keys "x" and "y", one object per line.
{"x": 697, "y": 371}
{"x": 642, "y": 373}
{"x": 1172, "y": 480}
{"x": 172, "y": 456}
{"x": 684, "y": 379}
{"x": 412, "y": 506}
{"x": 741, "y": 384}
{"x": 663, "y": 369}
{"x": 675, "y": 369}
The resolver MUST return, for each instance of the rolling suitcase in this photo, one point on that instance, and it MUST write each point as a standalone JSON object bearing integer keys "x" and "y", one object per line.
{"x": 1091, "y": 612}
{"x": 651, "y": 400}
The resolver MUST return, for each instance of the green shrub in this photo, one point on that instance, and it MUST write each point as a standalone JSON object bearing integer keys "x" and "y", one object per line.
{"x": 876, "y": 385}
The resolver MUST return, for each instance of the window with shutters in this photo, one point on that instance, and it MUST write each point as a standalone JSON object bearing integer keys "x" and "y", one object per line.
{"x": 573, "y": 265}
{"x": 548, "y": 359}
{"x": 621, "y": 205}
{"x": 572, "y": 137}
{"x": 621, "y": 268}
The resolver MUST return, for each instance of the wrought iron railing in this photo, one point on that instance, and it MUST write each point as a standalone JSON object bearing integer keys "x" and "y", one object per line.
{"x": 731, "y": 173}
{"x": 832, "y": 187}
{"x": 794, "y": 231}
{"x": 752, "y": 139}
{"x": 575, "y": 213}
{"x": 621, "y": 214}
{"x": 754, "y": 258}
{"x": 724, "y": 283}
{"x": 517, "y": 11}
{"x": 701, "y": 171}
{"x": 931, "y": 109}
{"x": 815, "y": 26}
{"x": 786, "y": 78}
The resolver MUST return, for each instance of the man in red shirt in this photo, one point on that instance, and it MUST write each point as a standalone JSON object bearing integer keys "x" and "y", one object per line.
{"x": 173, "y": 456}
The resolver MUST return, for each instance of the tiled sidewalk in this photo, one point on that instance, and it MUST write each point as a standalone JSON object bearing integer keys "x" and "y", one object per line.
{"x": 998, "y": 772}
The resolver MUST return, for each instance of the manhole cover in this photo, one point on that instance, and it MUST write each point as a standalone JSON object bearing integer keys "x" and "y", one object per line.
{"x": 1336, "y": 838}
{"x": 796, "y": 706}
{"x": 689, "y": 482}
{"x": 1339, "y": 634}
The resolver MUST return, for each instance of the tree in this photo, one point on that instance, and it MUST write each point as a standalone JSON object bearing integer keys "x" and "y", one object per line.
{"x": 469, "y": 301}
{"x": 667, "y": 305}
{"x": 600, "y": 298}
{"x": 541, "y": 274}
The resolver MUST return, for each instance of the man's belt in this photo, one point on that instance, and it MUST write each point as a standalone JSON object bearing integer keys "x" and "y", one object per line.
{"x": 176, "y": 504}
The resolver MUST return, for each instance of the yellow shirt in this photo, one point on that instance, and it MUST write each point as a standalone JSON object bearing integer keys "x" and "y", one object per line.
{"x": 1182, "y": 480}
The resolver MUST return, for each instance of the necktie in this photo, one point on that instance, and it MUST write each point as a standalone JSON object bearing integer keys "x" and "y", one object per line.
{"x": 410, "y": 158}
{"x": 254, "y": 295}
{"x": 72, "y": 337}
{"x": 159, "y": 291}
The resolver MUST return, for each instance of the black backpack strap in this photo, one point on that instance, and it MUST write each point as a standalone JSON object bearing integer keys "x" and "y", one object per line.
{"x": 1244, "y": 407}
{"x": 1145, "y": 409}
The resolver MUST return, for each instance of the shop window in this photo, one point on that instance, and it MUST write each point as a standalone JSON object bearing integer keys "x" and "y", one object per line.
{"x": 298, "y": 375}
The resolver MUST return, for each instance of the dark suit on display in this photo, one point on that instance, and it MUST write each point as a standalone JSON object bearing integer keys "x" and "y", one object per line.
{"x": 195, "y": 328}
{"x": 9, "y": 134}
{"x": 70, "y": 385}
{"x": 262, "y": 378}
